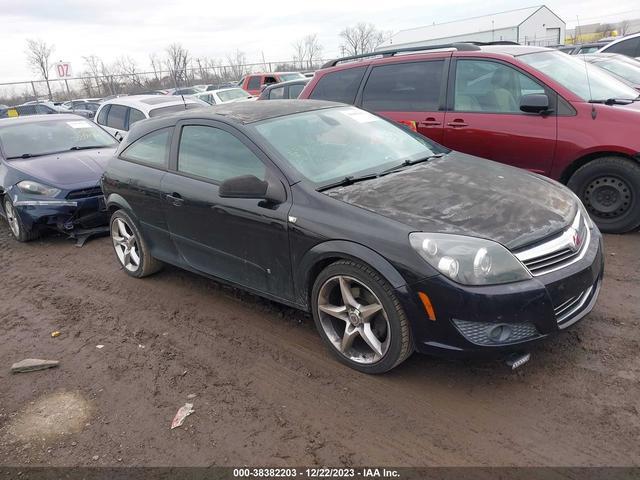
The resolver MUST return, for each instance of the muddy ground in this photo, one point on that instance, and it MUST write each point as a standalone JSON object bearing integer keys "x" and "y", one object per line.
{"x": 266, "y": 390}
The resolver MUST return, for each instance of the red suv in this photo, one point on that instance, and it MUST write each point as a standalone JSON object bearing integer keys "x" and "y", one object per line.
{"x": 255, "y": 82}
{"x": 531, "y": 107}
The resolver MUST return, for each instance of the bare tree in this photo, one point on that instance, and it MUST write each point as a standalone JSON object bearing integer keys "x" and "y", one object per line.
{"x": 92, "y": 63}
{"x": 129, "y": 68}
{"x": 109, "y": 74}
{"x": 156, "y": 66}
{"x": 237, "y": 64}
{"x": 361, "y": 38}
{"x": 299, "y": 52}
{"x": 38, "y": 57}
{"x": 606, "y": 29}
{"x": 623, "y": 27}
{"x": 313, "y": 49}
{"x": 177, "y": 61}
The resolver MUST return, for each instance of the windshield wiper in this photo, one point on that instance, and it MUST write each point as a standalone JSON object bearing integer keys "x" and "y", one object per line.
{"x": 87, "y": 147}
{"x": 348, "y": 180}
{"x": 615, "y": 101}
{"x": 28, "y": 155}
{"x": 407, "y": 163}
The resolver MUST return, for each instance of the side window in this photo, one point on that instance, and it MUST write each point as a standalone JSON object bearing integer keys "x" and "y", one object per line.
{"x": 630, "y": 47}
{"x": 216, "y": 154}
{"x": 492, "y": 87}
{"x": 295, "y": 91}
{"x": 254, "y": 83}
{"x": 153, "y": 148}
{"x": 270, "y": 80}
{"x": 276, "y": 93}
{"x": 135, "y": 115}
{"x": 43, "y": 109}
{"x": 102, "y": 116}
{"x": 117, "y": 116}
{"x": 27, "y": 110}
{"x": 404, "y": 87}
{"x": 341, "y": 86}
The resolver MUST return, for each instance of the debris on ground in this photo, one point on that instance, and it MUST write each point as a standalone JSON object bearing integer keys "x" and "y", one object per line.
{"x": 55, "y": 334}
{"x": 33, "y": 364}
{"x": 99, "y": 346}
{"x": 182, "y": 413}
{"x": 191, "y": 395}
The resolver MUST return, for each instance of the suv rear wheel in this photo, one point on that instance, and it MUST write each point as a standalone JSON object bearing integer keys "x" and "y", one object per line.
{"x": 609, "y": 187}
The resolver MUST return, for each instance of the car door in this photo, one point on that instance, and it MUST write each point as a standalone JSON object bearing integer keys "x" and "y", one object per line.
{"x": 411, "y": 93}
{"x": 137, "y": 179}
{"x": 484, "y": 116}
{"x": 244, "y": 241}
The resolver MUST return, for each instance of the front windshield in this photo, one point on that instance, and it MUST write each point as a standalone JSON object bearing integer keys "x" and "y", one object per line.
{"x": 626, "y": 70}
{"x": 285, "y": 77}
{"x": 52, "y": 136}
{"x": 584, "y": 79}
{"x": 233, "y": 94}
{"x": 328, "y": 145}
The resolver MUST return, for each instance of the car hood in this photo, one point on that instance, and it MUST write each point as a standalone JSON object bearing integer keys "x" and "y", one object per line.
{"x": 466, "y": 195}
{"x": 66, "y": 169}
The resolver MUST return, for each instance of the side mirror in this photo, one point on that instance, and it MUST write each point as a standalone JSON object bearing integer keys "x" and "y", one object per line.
{"x": 535, "y": 103}
{"x": 250, "y": 186}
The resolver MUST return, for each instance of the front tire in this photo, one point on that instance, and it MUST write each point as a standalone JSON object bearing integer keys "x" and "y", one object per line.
{"x": 609, "y": 187}
{"x": 130, "y": 247}
{"x": 18, "y": 229}
{"x": 360, "y": 318}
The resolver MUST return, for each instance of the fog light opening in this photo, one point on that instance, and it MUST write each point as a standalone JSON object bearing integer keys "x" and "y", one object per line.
{"x": 499, "y": 333}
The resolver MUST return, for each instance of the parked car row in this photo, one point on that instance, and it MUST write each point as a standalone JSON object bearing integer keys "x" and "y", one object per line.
{"x": 364, "y": 203}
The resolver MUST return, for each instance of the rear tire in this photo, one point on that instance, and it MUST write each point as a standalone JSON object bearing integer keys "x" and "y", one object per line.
{"x": 609, "y": 187}
{"x": 130, "y": 247}
{"x": 18, "y": 229}
{"x": 360, "y": 318}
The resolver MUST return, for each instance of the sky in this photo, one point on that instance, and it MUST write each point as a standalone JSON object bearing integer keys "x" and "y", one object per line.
{"x": 137, "y": 28}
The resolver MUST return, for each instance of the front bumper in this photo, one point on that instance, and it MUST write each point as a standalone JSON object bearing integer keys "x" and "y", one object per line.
{"x": 72, "y": 217}
{"x": 503, "y": 318}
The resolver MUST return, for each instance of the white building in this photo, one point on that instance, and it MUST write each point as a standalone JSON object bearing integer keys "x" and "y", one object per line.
{"x": 528, "y": 26}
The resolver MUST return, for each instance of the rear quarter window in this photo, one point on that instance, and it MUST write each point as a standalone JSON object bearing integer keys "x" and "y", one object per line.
{"x": 341, "y": 86}
{"x": 152, "y": 149}
{"x": 404, "y": 87}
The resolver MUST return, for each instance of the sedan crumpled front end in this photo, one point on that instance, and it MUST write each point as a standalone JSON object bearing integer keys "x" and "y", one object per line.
{"x": 78, "y": 213}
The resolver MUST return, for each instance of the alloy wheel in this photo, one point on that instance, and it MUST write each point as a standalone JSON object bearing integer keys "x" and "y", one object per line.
{"x": 12, "y": 218}
{"x": 353, "y": 319}
{"x": 125, "y": 244}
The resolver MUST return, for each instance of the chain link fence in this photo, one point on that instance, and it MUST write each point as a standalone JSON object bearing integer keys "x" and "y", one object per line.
{"x": 98, "y": 86}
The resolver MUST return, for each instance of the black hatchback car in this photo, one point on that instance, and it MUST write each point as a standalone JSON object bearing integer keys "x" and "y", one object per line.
{"x": 394, "y": 243}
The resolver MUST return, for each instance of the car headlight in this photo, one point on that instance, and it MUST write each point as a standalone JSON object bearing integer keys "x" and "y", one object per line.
{"x": 35, "y": 188}
{"x": 469, "y": 260}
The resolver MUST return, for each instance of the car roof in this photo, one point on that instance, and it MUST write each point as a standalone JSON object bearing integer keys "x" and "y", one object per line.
{"x": 505, "y": 49}
{"x": 147, "y": 103}
{"x": 40, "y": 118}
{"x": 217, "y": 90}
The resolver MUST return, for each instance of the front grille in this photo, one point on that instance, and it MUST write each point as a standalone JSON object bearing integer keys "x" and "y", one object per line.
{"x": 569, "y": 309}
{"x": 559, "y": 252}
{"x": 85, "y": 193}
{"x": 485, "y": 333}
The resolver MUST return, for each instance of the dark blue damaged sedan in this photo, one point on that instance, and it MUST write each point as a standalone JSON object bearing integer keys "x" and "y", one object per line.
{"x": 50, "y": 169}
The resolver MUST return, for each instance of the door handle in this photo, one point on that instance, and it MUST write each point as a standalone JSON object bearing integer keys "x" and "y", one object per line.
{"x": 458, "y": 122}
{"x": 430, "y": 122}
{"x": 175, "y": 199}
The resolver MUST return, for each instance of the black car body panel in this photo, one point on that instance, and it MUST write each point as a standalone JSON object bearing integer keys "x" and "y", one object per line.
{"x": 277, "y": 250}
{"x": 463, "y": 195}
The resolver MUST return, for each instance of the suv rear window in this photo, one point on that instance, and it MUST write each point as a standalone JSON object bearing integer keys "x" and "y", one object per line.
{"x": 254, "y": 83}
{"x": 404, "y": 87}
{"x": 341, "y": 86}
{"x": 117, "y": 116}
